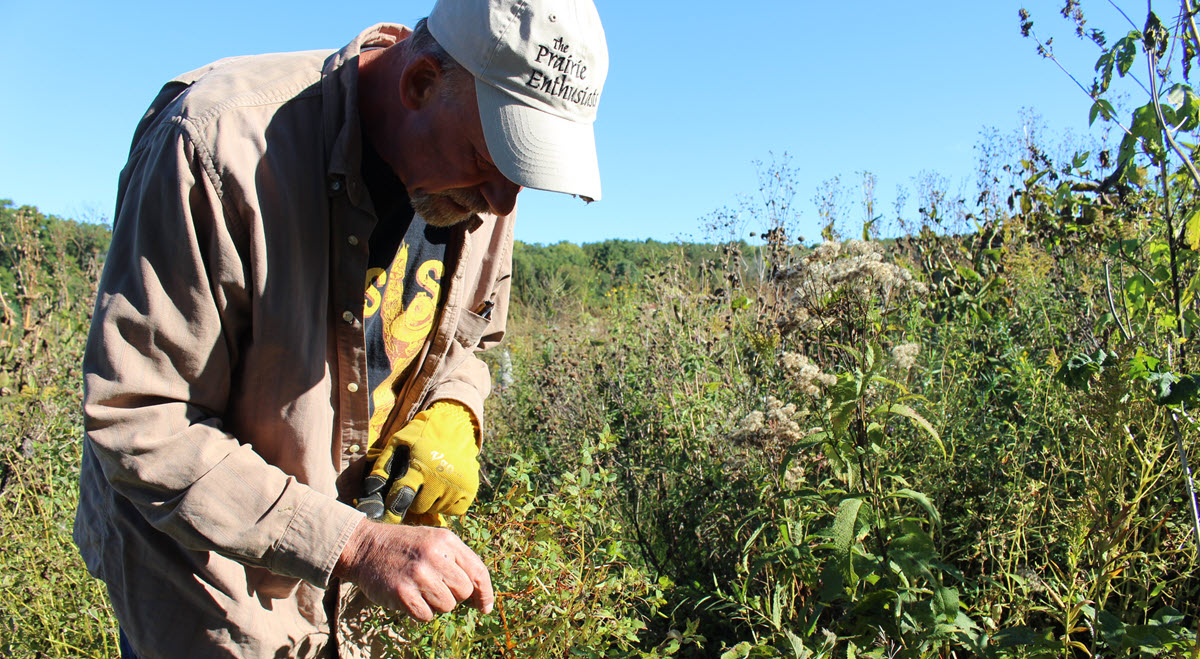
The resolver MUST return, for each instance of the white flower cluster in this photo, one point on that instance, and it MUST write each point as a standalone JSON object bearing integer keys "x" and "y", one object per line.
{"x": 778, "y": 423}
{"x": 904, "y": 356}
{"x": 805, "y": 374}
{"x": 853, "y": 268}
{"x": 827, "y": 251}
{"x": 794, "y": 476}
{"x": 750, "y": 425}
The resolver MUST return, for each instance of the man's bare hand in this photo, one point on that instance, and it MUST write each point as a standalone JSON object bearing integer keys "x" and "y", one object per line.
{"x": 416, "y": 569}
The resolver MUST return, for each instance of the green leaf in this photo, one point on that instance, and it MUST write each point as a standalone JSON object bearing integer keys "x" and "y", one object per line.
{"x": 1169, "y": 116}
{"x": 1191, "y": 229}
{"x": 918, "y": 420}
{"x": 833, "y": 582}
{"x": 1019, "y": 636}
{"x": 740, "y": 302}
{"x": 1172, "y": 389}
{"x": 1103, "y": 109}
{"x": 920, "y": 498}
{"x": 1167, "y": 616}
{"x": 797, "y": 643}
{"x": 1126, "y": 152}
{"x": 968, "y": 274}
{"x": 1104, "y": 66}
{"x": 1111, "y": 628}
{"x": 844, "y": 534}
{"x": 1135, "y": 176}
{"x": 852, "y": 352}
{"x": 1125, "y": 51}
{"x": 1187, "y": 107}
{"x": 1136, "y": 286}
{"x": 1145, "y": 126}
{"x": 945, "y": 602}
{"x": 1142, "y": 365}
{"x": 1154, "y": 36}
{"x": 875, "y": 434}
{"x": 738, "y": 651}
{"x": 913, "y": 551}
{"x": 874, "y": 604}
{"x": 1077, "y": 371}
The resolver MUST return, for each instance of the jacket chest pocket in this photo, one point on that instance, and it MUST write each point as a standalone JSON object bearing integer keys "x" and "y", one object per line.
{"x": 471, "y": 327}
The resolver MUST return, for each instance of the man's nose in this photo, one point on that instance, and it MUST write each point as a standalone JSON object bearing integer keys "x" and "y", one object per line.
{"x": 501, "y": 195}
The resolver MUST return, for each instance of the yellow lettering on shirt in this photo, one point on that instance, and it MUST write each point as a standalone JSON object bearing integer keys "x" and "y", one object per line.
{"x": 376, "y": 280}
{"x": 405, "y": 329}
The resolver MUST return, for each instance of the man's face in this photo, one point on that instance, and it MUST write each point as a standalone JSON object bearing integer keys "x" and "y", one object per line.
{"x": 448, "y": 171}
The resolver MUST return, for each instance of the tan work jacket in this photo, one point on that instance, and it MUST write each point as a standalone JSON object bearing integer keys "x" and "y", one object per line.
{"x": 225, "y": 377}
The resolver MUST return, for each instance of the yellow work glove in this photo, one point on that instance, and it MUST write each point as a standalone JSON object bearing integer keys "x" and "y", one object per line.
{"x": 428, "y": 468}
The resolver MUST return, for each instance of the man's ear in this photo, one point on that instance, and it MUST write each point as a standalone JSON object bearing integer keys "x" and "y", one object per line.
{"x": 419, "y": 81}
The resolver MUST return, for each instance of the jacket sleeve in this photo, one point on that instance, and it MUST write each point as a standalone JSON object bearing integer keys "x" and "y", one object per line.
{"x": 466, "y": 377}
{"x": 159, "y": 368}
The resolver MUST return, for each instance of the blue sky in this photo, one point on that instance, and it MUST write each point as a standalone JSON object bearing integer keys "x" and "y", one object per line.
{"x": 697, "y": 92}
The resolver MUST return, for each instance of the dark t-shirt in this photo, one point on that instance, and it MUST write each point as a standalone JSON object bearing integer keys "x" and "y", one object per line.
{"x": 403, "y": 288}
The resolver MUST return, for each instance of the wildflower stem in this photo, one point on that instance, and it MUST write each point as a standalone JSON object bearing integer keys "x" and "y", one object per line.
{"x": 1172, "y": 242}
{"x": 1187, "y": 476}
{"x": 1190, "y": 15}
{"x": 1070, "y": 75}
{"x": 1112, "y": 307}
{"x": 1122, "y": 12}
{"x": 1152, "y": 61}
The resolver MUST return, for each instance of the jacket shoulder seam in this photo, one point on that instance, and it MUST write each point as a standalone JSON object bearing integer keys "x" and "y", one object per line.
{"x": 188, "y": 130}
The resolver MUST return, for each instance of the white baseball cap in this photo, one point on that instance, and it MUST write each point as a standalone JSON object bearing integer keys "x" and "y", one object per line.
{"x": 539, "y": 67}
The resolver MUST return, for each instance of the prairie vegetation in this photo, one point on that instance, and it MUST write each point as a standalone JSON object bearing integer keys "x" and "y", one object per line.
{"x": 970, "y": 439}
{"x": 52, "y": 607}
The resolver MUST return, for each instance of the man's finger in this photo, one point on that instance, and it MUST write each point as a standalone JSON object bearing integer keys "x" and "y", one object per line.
{"x": 414, "y": 602}
{"x": 439, "y": 597}
{"x": 397, "y": 504}
{"x": 371, "y": 505}
{"x": 419, "y": 500}
{"x": 482, "y": 597}
{"x": 381, "y": 470}
{"x": 457, "y": 580}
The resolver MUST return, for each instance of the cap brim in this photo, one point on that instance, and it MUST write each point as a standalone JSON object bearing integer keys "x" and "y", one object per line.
{"x": 536, "y": 149}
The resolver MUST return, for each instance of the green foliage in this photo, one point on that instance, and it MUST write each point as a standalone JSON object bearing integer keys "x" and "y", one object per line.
{"x": 45, "y": 262}
{"x": 54, "y": 608}
{"x": 564, "y": 277}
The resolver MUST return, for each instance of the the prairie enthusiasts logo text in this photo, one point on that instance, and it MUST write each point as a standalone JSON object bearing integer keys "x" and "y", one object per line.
{"x": 568, "y": 77}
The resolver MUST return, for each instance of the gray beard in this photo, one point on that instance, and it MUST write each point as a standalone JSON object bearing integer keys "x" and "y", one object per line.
{"x": 440, "y": 209}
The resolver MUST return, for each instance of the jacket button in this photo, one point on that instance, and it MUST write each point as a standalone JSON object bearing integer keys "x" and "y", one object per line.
{"x": 335, "y": 185}
{"x": 354, "y": 448}
{"x": 352, "y": 387}
{"x": 348, "y": 317}
{"x": 353, "y": 240}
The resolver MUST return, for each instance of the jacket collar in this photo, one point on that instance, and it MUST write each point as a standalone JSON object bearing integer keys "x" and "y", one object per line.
{"x": 340, "y": 114}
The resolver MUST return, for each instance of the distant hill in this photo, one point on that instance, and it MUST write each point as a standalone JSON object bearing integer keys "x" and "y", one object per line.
{"x": 45, "y": 255}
